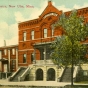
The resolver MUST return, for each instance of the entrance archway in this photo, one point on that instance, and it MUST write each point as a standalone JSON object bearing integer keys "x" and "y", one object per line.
{"x": 51, "y": 74}
{"x": 39, "y": 74}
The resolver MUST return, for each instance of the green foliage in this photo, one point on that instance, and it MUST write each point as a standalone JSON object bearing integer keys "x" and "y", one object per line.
{"x": 69, "y": 46}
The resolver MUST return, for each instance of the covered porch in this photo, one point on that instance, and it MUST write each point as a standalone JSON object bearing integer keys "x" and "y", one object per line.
{"x": 45, "y": 51}
{"x": 4, "y": 73}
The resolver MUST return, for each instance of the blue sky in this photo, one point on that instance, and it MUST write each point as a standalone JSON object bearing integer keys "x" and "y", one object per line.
{"x": 12, "y": 12}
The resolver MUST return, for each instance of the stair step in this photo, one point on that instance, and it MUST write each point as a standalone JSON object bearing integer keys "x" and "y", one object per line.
{"x": 66, "y": 77}
{"x": 18, "y": 74}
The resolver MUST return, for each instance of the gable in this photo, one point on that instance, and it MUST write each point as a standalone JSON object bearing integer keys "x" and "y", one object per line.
{"x": 50, "y": 10}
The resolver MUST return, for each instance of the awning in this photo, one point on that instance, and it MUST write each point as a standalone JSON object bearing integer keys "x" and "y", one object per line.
{"x": 3, "y": 59}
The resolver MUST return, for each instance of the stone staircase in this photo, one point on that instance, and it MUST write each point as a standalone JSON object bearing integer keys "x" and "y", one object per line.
{"x": 16, "y": 77}
{"x": 66, "y": 77}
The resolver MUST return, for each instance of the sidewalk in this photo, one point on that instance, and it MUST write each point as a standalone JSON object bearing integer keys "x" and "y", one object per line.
{"x": 34, "y": 83}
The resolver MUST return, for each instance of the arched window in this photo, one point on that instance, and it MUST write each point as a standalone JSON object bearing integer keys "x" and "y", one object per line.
{"x": 45, "y": 32}
{"x": 32, "y": 34}
{"x": 39, "y": 74}
{"x": 51, "y": 74}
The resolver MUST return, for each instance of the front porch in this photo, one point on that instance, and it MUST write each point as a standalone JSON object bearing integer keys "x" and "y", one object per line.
{"x": 4, "y": 73}
{"x": 45, "y": 51}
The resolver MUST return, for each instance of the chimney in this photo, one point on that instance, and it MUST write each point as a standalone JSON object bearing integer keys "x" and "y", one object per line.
{"x": 49, "y": 2}
{"x": 4, "y": 43}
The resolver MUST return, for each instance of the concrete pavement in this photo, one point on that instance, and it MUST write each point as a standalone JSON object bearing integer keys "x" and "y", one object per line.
{"x": 36, "y": 83}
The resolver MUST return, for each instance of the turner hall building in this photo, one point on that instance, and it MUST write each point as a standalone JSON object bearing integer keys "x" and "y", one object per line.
{"x": 30, "y": 59}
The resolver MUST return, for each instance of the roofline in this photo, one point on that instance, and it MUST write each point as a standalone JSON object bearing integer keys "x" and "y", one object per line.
{"x": 77, "y": 9}
{"x": 28, "y": 21}
{"x": 9, "y": 46}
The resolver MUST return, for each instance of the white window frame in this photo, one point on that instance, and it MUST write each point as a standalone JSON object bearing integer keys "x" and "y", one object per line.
{"x": 45, "y": 32}
{"x": 24, "y": 36}
{"x": 32, "y": 35}
{"x": 13, "y": 51}
{"x": 52, "y": 32}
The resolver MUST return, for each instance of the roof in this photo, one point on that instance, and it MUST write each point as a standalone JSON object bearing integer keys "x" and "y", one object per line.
{"x": 50, "y": 9}
{"x": 3, "y": 59}
{"x": 9, "y": 46}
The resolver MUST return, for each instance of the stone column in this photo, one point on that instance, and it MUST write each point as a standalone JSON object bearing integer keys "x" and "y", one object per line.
{"x": 0, "y": 61}
{"x": 16, "y": 58}
{"x": 44, "y": 53}
{"x": 9, "y": 59}
{"x": 45, "y": 74}
{"x": 34, "y": 58}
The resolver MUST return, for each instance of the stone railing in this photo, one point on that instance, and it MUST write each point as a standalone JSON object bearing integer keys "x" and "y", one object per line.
{"x": 76, "y": 69}
{"x": 44, "y": 62}
{"x": 11, "y": 77}
{"x": 22, "y": 77}
{"x": 61, "y": 73}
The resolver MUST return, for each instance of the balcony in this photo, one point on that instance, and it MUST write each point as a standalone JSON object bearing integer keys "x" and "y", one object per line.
{"x": 41, "y": 62}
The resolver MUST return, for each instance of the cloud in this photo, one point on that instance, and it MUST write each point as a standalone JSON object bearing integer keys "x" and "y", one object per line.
{"x": 8, "y": 33}
{"x": 36, "y": 12}
{"x": 78, "y": 6}
{"x": 3, "y": 25}
{"x": 3, "y": 30}
{"x": 12, "y": 41}
{"x": 19, "y": 16}
{"x": 63, "y": 8}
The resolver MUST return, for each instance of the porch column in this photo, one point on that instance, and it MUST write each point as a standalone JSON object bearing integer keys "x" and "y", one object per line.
{"x": 16, "y": 58}
{"x": 44, "y": 53}
{"x": 45, "y": 73}
{"x": 34, "y": 59}
{"x": 0, "y": 61}
{"x": 9, "y": 59}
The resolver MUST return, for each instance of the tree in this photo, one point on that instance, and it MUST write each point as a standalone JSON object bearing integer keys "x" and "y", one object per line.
{"x": 68, "y": 49}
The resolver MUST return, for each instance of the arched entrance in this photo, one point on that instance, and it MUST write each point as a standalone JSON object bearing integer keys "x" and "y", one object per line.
{"x": 39, "y": 74}
{"x": 51, "y": 74}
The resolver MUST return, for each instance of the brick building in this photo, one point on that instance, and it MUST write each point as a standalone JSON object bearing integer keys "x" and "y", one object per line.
{"x": 8, "y": 60}
{"x": 32, "y": 54}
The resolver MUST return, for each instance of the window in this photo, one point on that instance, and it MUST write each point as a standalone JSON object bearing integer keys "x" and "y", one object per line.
{"x": 85, "y": 73}
{"x": 24, "y": 36}
{"x": 24, "y": 58}
{"x": 5, "y": 51}
{"x": 32, "y": 35}
{"x": 45, "y": 33}
{"x": 52, "y": 32}
{"x": 32, "y": 57}
{"x": 13, "y": 51}
{"x": 13, "y": 64}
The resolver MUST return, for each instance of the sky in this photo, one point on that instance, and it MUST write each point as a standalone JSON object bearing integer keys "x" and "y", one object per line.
{"x": 14, "y": 11}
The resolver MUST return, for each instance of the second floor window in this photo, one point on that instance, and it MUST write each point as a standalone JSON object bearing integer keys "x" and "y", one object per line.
{"x": 45, "y": 33}
{"x": 13, "y": 51}
{"x": 32, "y": 34}
{"x": 52, "y": 32}
{"x": 24, "y": 36}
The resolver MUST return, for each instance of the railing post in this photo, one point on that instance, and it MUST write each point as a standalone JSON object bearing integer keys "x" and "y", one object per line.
{"x": 9, "y": 59}
{"x": 44, "y": 54}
